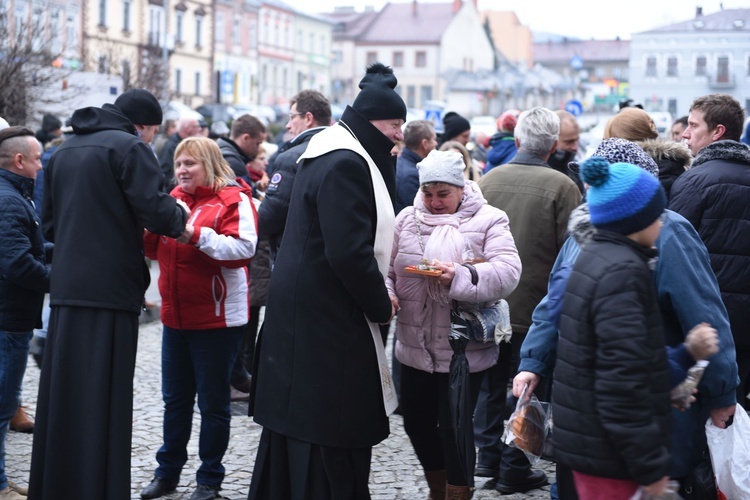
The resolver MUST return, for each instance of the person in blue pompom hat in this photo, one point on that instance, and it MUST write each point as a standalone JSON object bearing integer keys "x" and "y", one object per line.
{"x": 612, "y": 376}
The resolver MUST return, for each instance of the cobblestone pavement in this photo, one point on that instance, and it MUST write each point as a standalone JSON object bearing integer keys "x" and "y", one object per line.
{"x": 396, "y": 473}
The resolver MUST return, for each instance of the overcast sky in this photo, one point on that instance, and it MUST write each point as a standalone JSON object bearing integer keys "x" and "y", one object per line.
{"x": 575, "y": 18}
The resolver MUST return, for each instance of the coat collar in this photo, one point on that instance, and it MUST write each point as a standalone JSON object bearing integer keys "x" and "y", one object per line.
{"x": 24, "y": 185}
{"x": 723, "y": 150}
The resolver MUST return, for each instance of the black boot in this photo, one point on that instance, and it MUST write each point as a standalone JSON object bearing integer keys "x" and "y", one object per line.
{"x": 159, "y": 487}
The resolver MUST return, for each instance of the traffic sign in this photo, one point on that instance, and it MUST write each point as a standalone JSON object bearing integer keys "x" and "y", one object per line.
{"x": 574, "y": 107}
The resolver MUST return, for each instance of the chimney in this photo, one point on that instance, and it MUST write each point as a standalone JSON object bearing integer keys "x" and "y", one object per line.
{"x": 698, "y": 11}
{"x": 414, "y": 8}
{"x": 457, "y": 4}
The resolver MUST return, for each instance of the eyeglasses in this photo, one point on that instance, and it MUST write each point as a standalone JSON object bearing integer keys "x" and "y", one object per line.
{"x": 292, "y": 115}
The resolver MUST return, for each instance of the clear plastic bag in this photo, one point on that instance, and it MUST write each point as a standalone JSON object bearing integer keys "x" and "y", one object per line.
{"x": 671, "y": 493}
{"x": 527, "y": 427}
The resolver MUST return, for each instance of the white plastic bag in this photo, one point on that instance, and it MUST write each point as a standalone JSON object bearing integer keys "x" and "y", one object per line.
{"x": 730, "y": 455}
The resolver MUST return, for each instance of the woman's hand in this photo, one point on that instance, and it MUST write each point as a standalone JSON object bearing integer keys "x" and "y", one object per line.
{"x": 187, "y": 234}
{"x": 658, "y": 488}
{"x": 394, "y": 303}
{"x": 449, "y": 272}
{"x": 263, "y": 182}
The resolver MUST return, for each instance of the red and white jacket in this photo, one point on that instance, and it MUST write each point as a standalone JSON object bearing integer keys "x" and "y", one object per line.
{"x": 204, "y": 284}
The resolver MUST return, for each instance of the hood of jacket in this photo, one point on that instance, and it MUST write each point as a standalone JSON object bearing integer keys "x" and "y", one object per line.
{"x": 108, "y": 117}
{"x": 501, "y": 136}
{"x": 723, "y": 150}
{"x": 667, "y": 150}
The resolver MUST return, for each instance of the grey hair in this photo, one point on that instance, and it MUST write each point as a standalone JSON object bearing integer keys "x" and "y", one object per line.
{"x": 537, "y": 130}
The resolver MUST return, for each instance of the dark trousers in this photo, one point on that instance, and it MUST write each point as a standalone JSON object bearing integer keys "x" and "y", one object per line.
{"x": 425, "y": 406}
{"x": 84, "y": 417}
{"x": 196, "y": 362}
{"x": 243, "y": 363}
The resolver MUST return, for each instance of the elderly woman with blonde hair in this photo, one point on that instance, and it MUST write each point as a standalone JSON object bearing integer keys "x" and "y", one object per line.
{"x": 205, "y": 305}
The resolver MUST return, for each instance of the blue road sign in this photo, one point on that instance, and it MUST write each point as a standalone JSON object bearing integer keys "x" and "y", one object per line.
{"x": 574, "y": 107}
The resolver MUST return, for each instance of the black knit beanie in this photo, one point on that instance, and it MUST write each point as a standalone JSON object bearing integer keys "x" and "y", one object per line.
{"x": 454, "y": 125}
{"x": 140, "y": 106}
{"x": 50, "y": 123}
{"x": 377, "y": 100}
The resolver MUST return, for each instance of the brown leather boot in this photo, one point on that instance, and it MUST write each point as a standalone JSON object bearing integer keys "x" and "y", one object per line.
{"x": 458, "y": 492}
{"x": 21, "y": 422}
{"x": 436, "y": 482}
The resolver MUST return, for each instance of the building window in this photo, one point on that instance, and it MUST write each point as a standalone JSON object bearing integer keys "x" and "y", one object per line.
{"x": 71, "y": 31}
{"x": 236, "y": 33}
{"x": 722, "y": 70}
{"x": 198, "y": 31}
{"x": 700, "y": 66}
{"x": 323, "y": 45}
{"x": 672, "y": 106}
{"x": 372, "y": 58}
{"x": 672, "y": 66}
{"x": 125, "y": 15}
{"x": 398, "y": 59}
{"x": 178, "y": 81}
{"x": 311, "y": 47}
{"x": 425, "y": 92}
{"x": 411, "y": 96}
{"x": 21, "y": 16}
{"x": 219, "y": 34}
{"x": 102, "y": 12}
{"x": 179, "y": 17}
{"x": 102, "y": 65}
{"x": 748, "y": 65}
{"x": 197, "y": 83}
{"x": 156, "y": 26}
{"x": 38, "y": 15}
{"x": 651, "y": 66}
{"x": 338, "y": 56}
{"x": 420, "y": 59}
{"x": 55, "y": 30}
{"x": 253, "y": 33}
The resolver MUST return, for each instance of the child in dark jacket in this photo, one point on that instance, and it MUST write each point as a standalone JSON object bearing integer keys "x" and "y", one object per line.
{"x": 611, "y": 404}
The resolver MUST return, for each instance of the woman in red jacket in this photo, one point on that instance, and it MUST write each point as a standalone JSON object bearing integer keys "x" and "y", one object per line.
{"x": 205, "y": 304}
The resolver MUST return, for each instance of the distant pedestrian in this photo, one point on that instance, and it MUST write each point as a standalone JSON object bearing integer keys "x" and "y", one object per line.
{"x": 188, "y": 127}
{"x": 102, "y": 187}
{"x": 503, "y": 145}
{"x": 205, "y": 307}
{"x": 455, "y": 128}
{"x": 24, "y": 275}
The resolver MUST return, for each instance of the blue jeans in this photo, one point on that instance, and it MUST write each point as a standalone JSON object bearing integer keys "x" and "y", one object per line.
{"x": 14, "y": 351}
{"x": 196, "y": 362}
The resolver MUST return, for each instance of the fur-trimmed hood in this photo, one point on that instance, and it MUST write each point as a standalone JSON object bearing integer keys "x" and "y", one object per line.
{"x": 723, "y": 150}
{"x": 667, "y": 150}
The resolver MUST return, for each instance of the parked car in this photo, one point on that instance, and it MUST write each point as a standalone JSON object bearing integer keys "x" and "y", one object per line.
{"x": 216, "y": 111}
{"x": 176, "y": 110}
{"x": 265, "y": 114}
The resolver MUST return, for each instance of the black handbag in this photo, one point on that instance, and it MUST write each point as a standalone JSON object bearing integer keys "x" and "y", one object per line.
{"x": 700, "y": 483}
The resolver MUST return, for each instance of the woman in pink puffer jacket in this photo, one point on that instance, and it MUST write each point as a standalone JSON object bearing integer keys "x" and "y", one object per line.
{"x": 451, "y": 222}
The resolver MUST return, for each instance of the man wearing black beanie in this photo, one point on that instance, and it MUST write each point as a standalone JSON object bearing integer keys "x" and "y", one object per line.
{"x": 323, "y": 390}
{"x": 102, "y": 187}
{"x": 455, "y": 128}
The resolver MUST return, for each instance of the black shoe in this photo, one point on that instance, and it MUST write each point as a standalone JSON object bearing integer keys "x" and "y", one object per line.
{"x": 486, "y": 471}
{"x": 244, "y": 384}
{"x": 203, "y": 492}
{"x": 159, "y": 487}
{"x": 534, "y": 479}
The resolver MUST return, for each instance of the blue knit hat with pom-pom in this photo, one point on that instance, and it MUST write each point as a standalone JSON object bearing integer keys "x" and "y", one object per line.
{"x": 622, "y": 197}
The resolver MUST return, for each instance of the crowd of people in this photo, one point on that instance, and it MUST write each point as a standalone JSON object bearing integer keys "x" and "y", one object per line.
{"x": 620, "y": 271}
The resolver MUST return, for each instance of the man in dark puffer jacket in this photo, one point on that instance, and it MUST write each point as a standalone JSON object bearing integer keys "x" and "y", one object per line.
{"x": 611, "y": 401}
{"x": 713, "y": 195}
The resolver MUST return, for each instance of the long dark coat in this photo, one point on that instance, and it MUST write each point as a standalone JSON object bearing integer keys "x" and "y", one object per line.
{"x": 317, "y": 376}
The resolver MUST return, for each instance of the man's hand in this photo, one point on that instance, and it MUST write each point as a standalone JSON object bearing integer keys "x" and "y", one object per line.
{"x": 720, "y": 416}
{"x": 658, "y": 488}
{"x": 702, "y": 341}
{"x": 521, "y": 380}
{"x": 184, "y": 207}
{"x": 186, "y": 235}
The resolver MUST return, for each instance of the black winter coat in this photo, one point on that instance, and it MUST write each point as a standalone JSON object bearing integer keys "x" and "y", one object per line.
{"x": 611, "y": 395}
{"x": 166, "y": 161}
{"x": 101, "y": 189}
{"x": 24, "y": 268}
{"x": 235, "y": 157}
{"x": 317, "y": 377}
{"x": 273, "y": 211}
{"x": 714, "y": 195}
